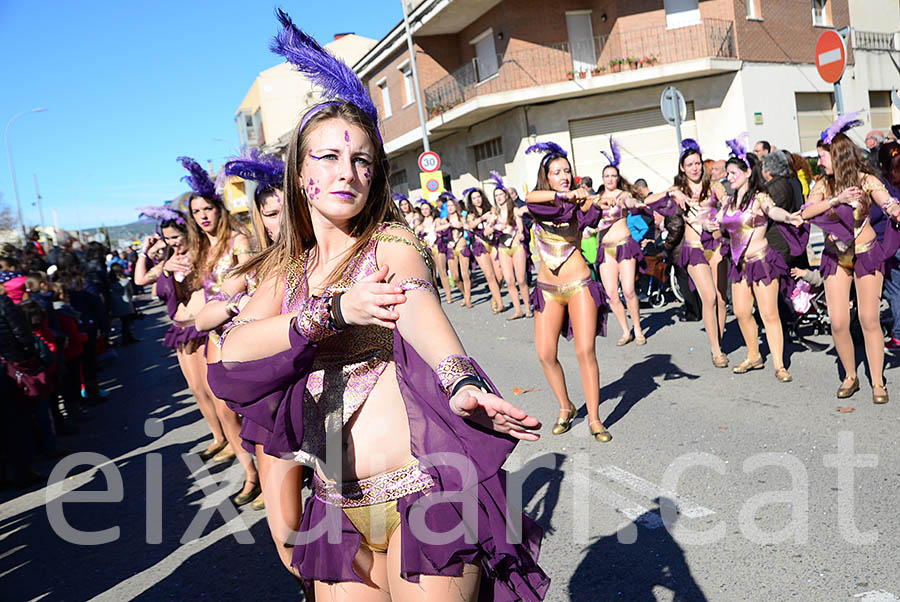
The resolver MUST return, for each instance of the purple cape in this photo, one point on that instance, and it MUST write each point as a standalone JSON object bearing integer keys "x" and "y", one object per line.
{"x": 271, "y": 391}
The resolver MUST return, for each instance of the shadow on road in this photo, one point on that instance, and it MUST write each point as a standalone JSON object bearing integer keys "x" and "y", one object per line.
{"x": 613, "y": 568}
{"x": 638, "y": 382}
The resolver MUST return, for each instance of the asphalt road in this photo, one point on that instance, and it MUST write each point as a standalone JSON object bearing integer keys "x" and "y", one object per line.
{"x": 714, "y": 487}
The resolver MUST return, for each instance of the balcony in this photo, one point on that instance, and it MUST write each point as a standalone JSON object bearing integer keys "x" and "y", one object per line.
{"x": 873, "y": 40}
{"x": 602, "y": 56}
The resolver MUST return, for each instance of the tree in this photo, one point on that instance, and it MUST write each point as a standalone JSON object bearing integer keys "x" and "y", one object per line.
{"x": 7, "y": 219}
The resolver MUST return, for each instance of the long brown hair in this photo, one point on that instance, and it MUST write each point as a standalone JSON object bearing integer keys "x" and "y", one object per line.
{"x": 261, "y": 238}
{"x": 202, "y": 257}
{"x": 847, "y": 163}
{"x": 296, "y": 234}
{"x": 683, "y": 183}
{"x": 624, "y": 184}
{"x": 510, "y": 207}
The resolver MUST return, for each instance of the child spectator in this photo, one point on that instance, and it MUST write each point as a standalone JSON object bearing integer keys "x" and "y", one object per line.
{"x": 121, "y": 294}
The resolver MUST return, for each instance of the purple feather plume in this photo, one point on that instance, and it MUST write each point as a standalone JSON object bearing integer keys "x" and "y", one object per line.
{"x": 738, "y": 147}
{"x": 198, "y": 179}
{"x": 160, "y": 213}
{"x": 335, "y": 78}
{"x": 616, "y": 157}
{"x": 548, "y": 148}
{"x": 690, "y": 144}
{"x": 498, "y": 180}
{"x": 266, "y": 170}
{"x": 399, "y": 197}
{"x": 465, "y": 193}
{"x": 841, "y": 125}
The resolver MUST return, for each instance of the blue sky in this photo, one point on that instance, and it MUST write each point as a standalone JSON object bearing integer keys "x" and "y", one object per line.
{"x": 129, "y": 86}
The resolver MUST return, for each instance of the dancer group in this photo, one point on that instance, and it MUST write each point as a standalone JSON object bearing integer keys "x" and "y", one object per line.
{"x": 319, "y": 355}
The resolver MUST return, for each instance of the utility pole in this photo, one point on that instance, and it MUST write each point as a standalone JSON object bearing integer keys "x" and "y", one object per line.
{"x": 37, "y": 195}
{"x": 415, "y": 77}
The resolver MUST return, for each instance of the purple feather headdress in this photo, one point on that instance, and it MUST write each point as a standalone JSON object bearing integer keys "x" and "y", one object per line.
{"x": 266, "y": 170}
{"x": 616, "y": 157}
{"x": 548, "y": 148}
{"x": 198, "y": 179}
{"x": 161, "y": 213}
{"x": 689, "y": 144}
{"x": 399, "y": 197}
{"x": 841, "y": 125}
{"x": 467, "y": 191}
{"x": 739, "y": 148}
{"x": 498, "y": 180}
{"x": 337, "y": 80}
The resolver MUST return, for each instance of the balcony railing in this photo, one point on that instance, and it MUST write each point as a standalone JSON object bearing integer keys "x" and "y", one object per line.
{"x": 602, "y": 55}
{"x": 873, "y": 40}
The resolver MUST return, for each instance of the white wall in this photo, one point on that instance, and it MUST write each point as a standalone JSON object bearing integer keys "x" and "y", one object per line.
{"x": 875, "y": 15}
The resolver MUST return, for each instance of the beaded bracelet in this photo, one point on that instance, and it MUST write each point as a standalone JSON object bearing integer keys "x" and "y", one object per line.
{"x": 314, "y": 321}
{"x": 453, "y": 368}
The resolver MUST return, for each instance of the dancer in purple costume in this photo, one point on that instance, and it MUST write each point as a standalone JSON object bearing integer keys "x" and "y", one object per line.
{"x": 509, "y": 234}
{"x": 393, "y": 414}
{"x": 756, "y": 268}
{"x": 698, "y": 198}
{"x": 619, "y": 253}
{"x": 459, "y": 255}
{"x": 167, "y": 277}
{"x": 437, "y": 245}
{"x": 480, "y": 221}
{"x": 840, "y": 204}
{"x": 566, "y": 299}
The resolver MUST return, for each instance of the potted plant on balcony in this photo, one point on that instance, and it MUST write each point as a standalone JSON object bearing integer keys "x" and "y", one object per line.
{"x": 596, "y": 71}
{"x": 582, "y": 74}
{"x": 615, "y": 65}
{"x": 570, "y": 75}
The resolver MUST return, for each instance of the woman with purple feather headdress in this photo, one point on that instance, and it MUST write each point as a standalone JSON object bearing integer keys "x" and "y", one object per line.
{"x": 427, "y": 230}
{"x": 566, "y": 299}
{"x": 216, "y": 245}
{"x": 756, "y": 268}
{"x": 840, "y": 203}
{"x": 697, "y": 198}
{"x": 510, "y": 237}
{"x": 405, "y": 208}
{"x": 619, "y": 254}
{"x": 421, "y": 415}
{"x": 480, "y": 226}
{"x": 452, "y": 230}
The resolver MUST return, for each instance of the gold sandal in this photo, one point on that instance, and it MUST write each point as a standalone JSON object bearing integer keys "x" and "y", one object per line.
{"x": 747, "y": 365}
{"x": 783, "y": 375}
{"x": 720, "y": 361}
{"x": 602, "y": 435}
{"x": 626, "y": 338}
{"x": 564, "y": 424}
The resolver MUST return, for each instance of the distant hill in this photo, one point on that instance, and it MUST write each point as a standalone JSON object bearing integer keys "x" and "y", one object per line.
{"x": 119, "y": 235}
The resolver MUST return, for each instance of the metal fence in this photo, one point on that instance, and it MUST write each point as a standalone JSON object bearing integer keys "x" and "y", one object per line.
{"x": 873, "y": 40}
{"x": 603, "y": 55}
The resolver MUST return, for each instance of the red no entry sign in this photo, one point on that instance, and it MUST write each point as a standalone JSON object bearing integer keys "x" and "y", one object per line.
{"x": 831, "y": 57}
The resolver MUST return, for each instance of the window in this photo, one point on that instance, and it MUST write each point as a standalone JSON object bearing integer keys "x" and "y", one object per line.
{"x": 880, "y": 110}
{"x": 682, "y": 13}
{"x": 409, "y": 95}
{"x": 399, "y": 182}
{"x": 385, "y": 98}
{"x": 821, "y": 13}
{"x": 815, "y": 112}
{"x": 581, "y": 40}
{"x": 488, "y": 150}
{"x": 485, "y": 55}
{"x": 250, "y": 128}
{"x": 753, "y": 10}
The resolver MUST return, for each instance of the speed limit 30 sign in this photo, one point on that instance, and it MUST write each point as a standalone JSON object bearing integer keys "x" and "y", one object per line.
{"x": 429, "y": 161}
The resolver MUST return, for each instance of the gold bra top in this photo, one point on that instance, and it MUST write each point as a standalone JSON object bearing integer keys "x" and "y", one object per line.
{"x": 347, "y": 364}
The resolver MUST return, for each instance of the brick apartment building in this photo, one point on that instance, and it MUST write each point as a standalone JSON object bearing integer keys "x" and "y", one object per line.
{"x": 499, "y": 75}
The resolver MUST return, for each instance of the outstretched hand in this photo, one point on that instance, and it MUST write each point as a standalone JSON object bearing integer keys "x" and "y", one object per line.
{"x": 494, "y": 413}
{"x": 371, "y": 301}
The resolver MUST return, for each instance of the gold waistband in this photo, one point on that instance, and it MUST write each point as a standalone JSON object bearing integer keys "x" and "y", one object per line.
{"x": 863, "y": 247}
{"x": 693, "y": 244}
{"x": 618, "y": 243}
{"x": 373, "y": 490}
{"x": 757, "y": 255}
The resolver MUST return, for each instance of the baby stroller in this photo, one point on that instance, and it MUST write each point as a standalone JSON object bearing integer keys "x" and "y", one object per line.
{"x": 810, "y": 309}
{"x": 654, "y": 278}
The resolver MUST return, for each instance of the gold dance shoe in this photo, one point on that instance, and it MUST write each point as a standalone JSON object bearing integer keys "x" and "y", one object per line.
{"x": 626, "y": 338}
{"x": 848, "y": 387}
{"x": 245, "y": 498}
{"x": 747, "y": 365}
{"x": 602, "y": 435}
{"x": 720, "y": 361}
{"x": 211, "y": 451}
{"x": 879, "y": 397}
{"x": 783, "y": 375}
{"x": 259, "y": 503}
{"x": 564, "y": 424}
{"x": 641, "y": 340}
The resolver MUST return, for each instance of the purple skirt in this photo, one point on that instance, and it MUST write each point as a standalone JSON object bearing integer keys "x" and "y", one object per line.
{"x": 760, "y": 270}
{"x": 600, "y": 299}
{"x": 252, "y": 433}
{"x": 630, "y": 249}
{"x": 715, "y": 244}
{"x": 477, "y": 247}
{"x": 177, "y": 337}
{"x": 691, "y": 256}
{"x": 868, "y": 262}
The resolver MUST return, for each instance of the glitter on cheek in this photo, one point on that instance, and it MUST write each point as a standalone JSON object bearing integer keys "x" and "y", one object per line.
{"x": 367, "y": 175}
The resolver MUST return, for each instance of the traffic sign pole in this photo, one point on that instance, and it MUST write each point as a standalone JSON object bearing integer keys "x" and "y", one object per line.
{"x": 676, "y": 110}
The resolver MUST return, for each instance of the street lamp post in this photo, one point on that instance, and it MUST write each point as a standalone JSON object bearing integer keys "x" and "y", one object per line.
{"x": 12, "y": 171}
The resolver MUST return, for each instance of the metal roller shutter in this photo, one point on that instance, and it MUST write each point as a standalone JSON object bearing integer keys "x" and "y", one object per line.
{"x": 815, "y": 112}
{"x": 648, "y": 144}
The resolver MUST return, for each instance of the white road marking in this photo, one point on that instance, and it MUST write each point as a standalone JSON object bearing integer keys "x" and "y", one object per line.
{"x": 633, "y": 512}
{"x": 644, "y": 487}
{"x": 877, "y": 595}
